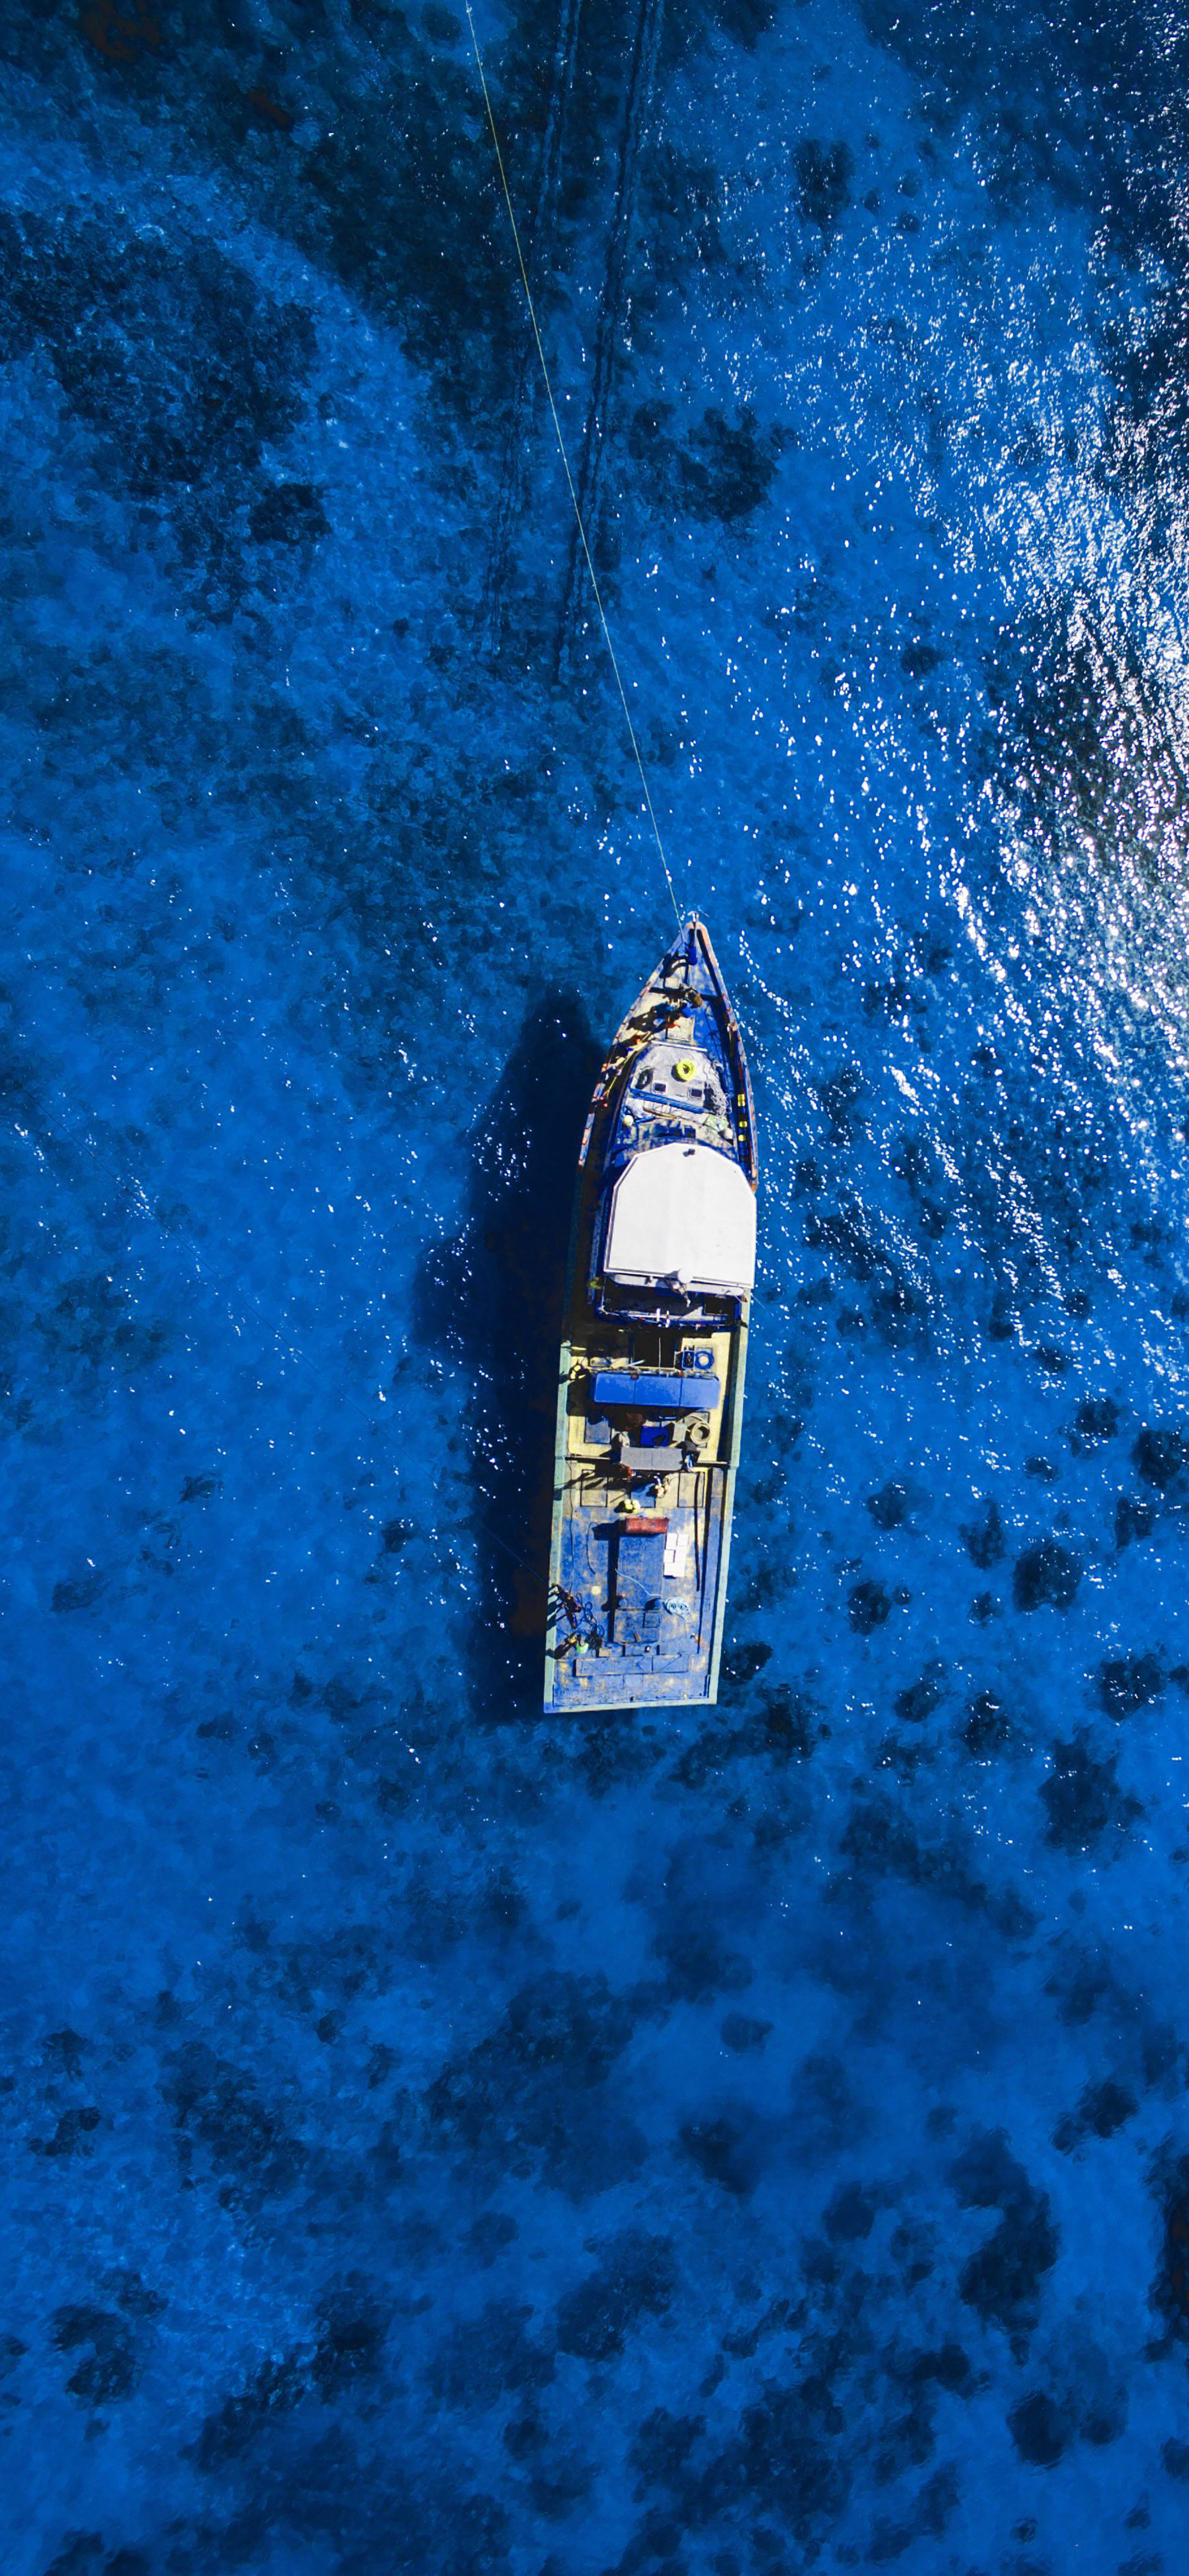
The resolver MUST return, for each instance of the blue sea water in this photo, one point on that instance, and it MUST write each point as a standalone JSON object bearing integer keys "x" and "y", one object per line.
{"x": 438, "y": 2141}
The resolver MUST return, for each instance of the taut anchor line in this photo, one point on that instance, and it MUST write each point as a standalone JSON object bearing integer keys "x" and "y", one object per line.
{"x": 561, "y": 444}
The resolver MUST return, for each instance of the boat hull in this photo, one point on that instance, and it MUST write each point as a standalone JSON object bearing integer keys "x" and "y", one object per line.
{"x": 651, "y": 1373}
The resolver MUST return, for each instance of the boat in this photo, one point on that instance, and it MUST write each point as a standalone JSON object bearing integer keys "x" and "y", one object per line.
{"x": 654, "y": 1348}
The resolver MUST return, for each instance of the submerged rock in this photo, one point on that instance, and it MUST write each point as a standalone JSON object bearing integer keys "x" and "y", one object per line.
{"x": 1046, "y": 1576}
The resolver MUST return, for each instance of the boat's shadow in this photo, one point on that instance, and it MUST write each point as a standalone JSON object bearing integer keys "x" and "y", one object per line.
{"x": 492, "y": 1300}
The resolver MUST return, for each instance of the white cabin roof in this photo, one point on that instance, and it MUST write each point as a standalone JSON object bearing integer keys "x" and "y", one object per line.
{"x": 683, "y": 1214}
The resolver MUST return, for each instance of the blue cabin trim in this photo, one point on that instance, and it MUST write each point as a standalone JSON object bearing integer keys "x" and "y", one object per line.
{"x": 668, "y": 1391}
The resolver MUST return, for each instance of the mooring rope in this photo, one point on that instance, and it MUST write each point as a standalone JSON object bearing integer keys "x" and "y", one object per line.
{"x": 532, "y": 315}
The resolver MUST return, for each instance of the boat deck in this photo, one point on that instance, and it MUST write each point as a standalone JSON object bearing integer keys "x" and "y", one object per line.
{"x": 638, "y": 1570}
{"x": 651, "y": 1380}
{"x": 653, "y": 1576}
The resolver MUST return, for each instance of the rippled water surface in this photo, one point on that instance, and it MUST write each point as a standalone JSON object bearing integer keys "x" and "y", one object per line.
{"x": 440, "y": 2142}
